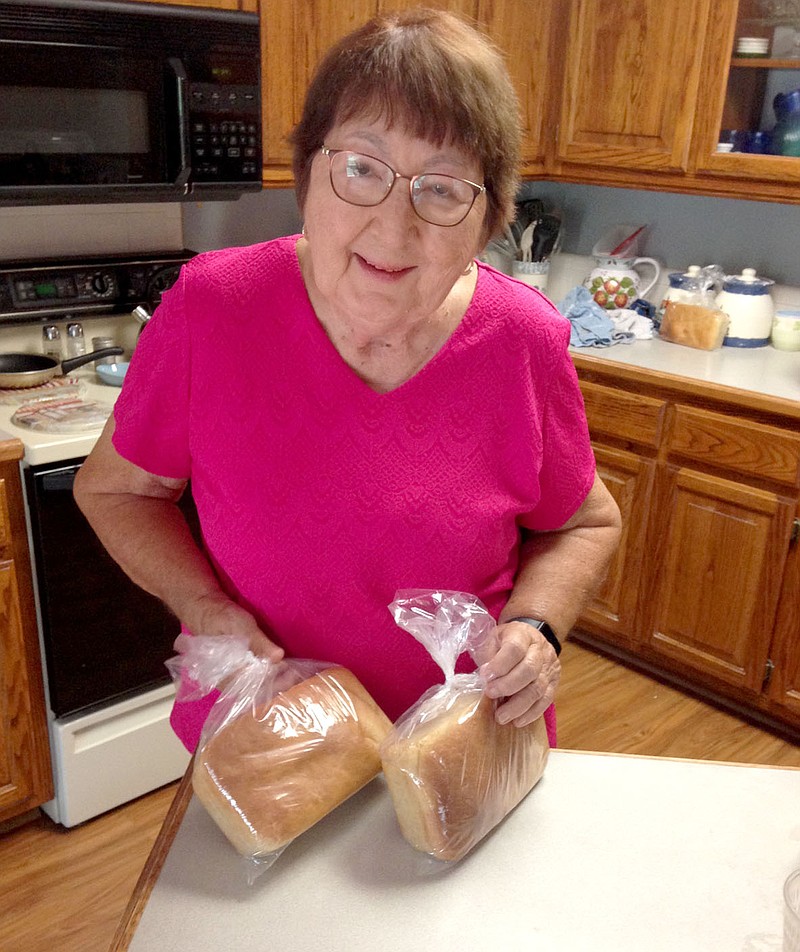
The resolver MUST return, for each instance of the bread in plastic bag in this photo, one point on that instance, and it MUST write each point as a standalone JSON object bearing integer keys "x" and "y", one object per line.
{"x": 453, "y": 772}
{"x": 284, "y": 744}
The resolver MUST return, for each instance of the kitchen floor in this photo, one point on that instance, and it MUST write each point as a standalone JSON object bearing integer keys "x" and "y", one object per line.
{"x": 65, "y": 890}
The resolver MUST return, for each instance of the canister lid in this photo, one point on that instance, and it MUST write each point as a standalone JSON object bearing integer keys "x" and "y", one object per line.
{"x": 748, "y": 282}
{"x": 685, "y": 280}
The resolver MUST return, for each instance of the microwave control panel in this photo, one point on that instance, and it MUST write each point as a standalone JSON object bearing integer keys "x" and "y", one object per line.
{"x": 38, "y": 292}
{"x": 224, "y": 126}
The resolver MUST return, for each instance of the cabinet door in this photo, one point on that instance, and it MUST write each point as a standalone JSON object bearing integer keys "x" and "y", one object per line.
{"x": 629, "y": 479}
{"x": 25, "y": 778}
{"x": 294, "y": 37}
{"x": 524, "y": 31}
{"x": 720, "y": 550}
{"x": 737, "y": 101}
{"x": 784, "y": 687}
{"x": 631, "y": 82}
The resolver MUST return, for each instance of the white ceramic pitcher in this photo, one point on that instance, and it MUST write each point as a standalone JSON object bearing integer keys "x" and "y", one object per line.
{"x": 615, "y": 282}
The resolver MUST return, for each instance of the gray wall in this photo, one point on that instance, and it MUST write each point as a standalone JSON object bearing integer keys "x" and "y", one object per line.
{"x": 683, "y": 229}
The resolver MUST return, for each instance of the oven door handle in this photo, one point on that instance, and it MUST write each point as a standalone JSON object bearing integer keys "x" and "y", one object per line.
{"x": 58, "y": 482}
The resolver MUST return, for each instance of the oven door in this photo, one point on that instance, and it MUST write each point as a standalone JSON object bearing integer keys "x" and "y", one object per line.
{"x": 81, "y": 121}
{"x": 104, "y": 637}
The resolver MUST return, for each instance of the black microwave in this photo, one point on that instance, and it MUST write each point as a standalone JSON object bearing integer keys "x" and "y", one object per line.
{"x": 124, "y": 101}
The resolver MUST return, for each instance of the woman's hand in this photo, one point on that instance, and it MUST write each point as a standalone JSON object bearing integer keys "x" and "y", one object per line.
{"x": 218, "y": 615}
{"x": 524, "y": 670}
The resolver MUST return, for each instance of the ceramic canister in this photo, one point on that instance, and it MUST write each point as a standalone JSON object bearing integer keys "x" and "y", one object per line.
{"x": 682, "y": 287}
{"x": 786, "y": 330}
{"x": 747, "y": 301}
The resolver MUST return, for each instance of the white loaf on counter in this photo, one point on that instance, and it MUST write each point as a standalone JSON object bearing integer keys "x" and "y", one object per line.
{"x": 269, "y": 775}
{"x": 455, "y": 775}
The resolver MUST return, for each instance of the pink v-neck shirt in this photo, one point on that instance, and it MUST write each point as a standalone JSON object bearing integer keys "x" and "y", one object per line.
{"x": 320, "y": 498}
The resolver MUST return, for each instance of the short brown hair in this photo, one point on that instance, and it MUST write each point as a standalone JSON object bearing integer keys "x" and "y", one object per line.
{"x": 433, "y": 73}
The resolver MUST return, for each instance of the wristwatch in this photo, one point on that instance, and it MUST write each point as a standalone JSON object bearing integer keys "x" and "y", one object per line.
{"x": 544, "y": 628}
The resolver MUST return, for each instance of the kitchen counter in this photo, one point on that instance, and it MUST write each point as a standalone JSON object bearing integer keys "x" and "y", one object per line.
{"x": 608, "y": 852}
{"x": 760, "y": 370}
{"x": 40, "y": 447}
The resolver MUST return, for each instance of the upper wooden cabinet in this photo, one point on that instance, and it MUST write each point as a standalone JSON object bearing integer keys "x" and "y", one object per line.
{"x": 631, "y": 76}
{"x": 295, "y": 36}
{"x": 632, "y": 93}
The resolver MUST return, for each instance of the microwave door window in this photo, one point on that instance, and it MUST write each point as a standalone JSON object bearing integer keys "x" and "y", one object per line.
{"x": 101, "y": 126}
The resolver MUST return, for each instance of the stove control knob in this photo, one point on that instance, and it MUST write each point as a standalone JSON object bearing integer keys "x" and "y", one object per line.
{"x": 102, "y": 284}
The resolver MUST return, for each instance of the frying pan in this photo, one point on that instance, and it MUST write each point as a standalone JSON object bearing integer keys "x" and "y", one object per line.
{"x": 31, "y": 370}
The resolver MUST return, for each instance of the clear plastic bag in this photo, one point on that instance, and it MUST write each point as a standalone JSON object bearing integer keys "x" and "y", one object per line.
{"x": 453, "y": 772}
{"x": 284, "y": 744}
{"x": 695, "y": 320}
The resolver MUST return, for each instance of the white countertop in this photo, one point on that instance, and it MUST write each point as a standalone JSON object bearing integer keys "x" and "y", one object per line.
{"x": 608, "y": 852}
{"x": 52, "y": 447}
{"x": 758, "y": 369}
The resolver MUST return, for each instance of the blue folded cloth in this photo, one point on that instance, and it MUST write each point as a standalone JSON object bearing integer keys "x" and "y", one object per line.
{"x": 590, "y": 325}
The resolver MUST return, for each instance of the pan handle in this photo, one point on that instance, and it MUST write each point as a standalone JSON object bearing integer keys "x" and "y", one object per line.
{"x": 74, "y": 362}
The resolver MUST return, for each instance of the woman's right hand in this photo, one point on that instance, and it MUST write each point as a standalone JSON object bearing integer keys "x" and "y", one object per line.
{"x": 218, "y": 615}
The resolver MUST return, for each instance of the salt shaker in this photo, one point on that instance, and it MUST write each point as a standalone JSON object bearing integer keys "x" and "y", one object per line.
{"x": 51, "y": 342}
{"x": 76, "y": 344}
{"x": 100, "y": 343}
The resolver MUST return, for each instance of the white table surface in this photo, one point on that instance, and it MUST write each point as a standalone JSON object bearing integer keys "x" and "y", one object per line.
{"x": 608, "y": 852}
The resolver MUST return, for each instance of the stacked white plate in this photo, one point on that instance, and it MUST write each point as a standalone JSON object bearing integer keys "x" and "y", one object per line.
{"x": 752, "y": 46}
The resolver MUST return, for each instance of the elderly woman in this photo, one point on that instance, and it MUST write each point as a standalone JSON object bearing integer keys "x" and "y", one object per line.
{"x": 365, "y": 407}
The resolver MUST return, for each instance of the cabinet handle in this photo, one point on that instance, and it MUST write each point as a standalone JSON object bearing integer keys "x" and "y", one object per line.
{"x": 769, "y": 668}
{"x": 795, "y": 532}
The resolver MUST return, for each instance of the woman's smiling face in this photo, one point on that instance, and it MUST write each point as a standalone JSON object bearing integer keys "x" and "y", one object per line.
{"x": 383, "y": 264}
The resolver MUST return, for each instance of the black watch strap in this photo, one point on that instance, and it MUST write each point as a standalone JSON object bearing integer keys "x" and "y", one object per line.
{"x": 544, "y": 628}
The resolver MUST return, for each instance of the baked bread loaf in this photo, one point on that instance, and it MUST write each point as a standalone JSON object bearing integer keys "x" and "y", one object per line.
{"x": 268, "y": 775}
{"x": 454, "y": 775}
{"x": 693, "y": 325}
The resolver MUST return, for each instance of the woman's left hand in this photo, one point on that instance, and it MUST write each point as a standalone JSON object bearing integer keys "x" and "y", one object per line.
{"x": 525, "y": 671}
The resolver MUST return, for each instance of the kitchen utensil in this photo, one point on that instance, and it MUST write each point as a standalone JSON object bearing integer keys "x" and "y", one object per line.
{"x": 615, "y": 282}
{"x": 545, "y": 237}
{"x": 623, "y": 246}
{"x": 112, "y": 374}
{"x": 30, "y": 370}
{"x": 747, "y": 301}
{"x": 525, "y": 241}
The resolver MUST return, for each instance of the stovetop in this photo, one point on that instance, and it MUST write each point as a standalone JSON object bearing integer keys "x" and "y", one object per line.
{"x": 99, "y": 292}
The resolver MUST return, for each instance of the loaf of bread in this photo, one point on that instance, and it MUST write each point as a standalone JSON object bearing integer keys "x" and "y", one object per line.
{"x": 455, "y": 773}
{"x": 271, "y": 773}
{"x": 693, "y": 325}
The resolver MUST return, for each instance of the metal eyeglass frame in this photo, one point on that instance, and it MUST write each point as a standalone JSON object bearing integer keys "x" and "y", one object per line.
{"x": 476, "y": 189}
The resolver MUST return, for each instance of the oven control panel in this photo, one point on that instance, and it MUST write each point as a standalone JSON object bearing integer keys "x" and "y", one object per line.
{"x": 39, "y": 292}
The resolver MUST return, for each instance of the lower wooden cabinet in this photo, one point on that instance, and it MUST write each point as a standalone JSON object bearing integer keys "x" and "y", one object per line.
{"x": 628, "y": 477}
{"x": 705, "y": 587}
{"x": 25, "y": 773}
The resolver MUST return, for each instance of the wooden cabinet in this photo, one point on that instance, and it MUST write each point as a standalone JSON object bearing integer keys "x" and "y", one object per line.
{"x": 631, "y": 75}
{"x": 631, "y": 93}
{"x": 706, "y": 585}
{"x": 249, "y": 6}
{"x": 295, "y": 36}
{"x": 25, "y": 774}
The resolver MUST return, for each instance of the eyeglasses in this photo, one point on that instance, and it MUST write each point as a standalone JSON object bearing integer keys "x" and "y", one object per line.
{"x": 364, "y": 180}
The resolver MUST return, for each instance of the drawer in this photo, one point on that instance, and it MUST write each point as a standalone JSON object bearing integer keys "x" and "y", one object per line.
{"x": 741, "y": 446}
{"x": 618, "y": 413}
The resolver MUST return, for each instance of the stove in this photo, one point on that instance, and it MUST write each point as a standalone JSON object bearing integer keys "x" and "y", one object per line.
{"x": 103, "y": 639}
